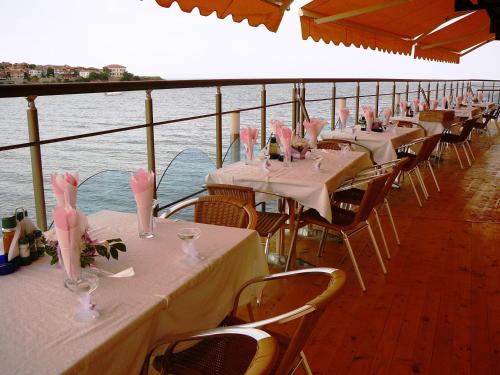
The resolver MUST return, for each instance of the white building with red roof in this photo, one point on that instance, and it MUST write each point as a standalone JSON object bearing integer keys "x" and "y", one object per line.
{"x": 115, "y": 70}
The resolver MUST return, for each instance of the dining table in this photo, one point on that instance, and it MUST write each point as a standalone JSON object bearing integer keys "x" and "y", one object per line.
{"x": 431, "y": 127}
{"x": 170, "y": 293}
{"x": 383, "y": 145}
{"x": 300, "y": 181}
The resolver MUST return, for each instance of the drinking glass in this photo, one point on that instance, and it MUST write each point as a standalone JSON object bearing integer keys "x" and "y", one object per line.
{"x": 317, "y": 159}
{"x": 287, "y": 158}
{"x": 344, "y": 148}
{"x": 145, "y": 223}
{"x": 248, "y": 154}
{"x": 83, "y": 287}
{"x": 188, "y": 237}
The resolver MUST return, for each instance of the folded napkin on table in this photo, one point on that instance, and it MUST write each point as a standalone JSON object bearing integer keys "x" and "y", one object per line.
{"x": 403, "y": 106}
{"x": 65, "y": 187}
{"x": 285, "y": 137}
{"x": 249, "y": 136}
{"x": 314, "y": 128}
{"x": 142, "y": 184}
{"x": 387, "y": 115}
{"x": 343, "y": 115}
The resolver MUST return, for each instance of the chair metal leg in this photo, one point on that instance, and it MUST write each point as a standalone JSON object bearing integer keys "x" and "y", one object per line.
{"x": 291, "y": 252}
{"x": 421, "y": 182}
{"x": 305, "y": 363}
{"x": 353, "y": 260}
{"x": 470, "y": 150}
{"x": 414, "y": 189}
{"x": 466, "y": 154}
{"x": 392, "y": 221}
{"x": 322, "y": 243}
{"x": 377, "y": 251}
{"x": 433, "y": 175}
{"x": 458, "y": 156}
{"x": 382, "y": 233}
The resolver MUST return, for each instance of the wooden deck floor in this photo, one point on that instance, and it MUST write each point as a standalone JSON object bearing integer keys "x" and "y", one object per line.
{"x": 438, "y": 309}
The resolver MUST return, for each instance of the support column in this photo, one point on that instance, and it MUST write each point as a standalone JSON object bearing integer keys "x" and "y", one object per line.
{"x": 356, "y": 116}
{"x": 150, "y": 136}
{"x": 334, "y": 98}
{"x": 218, "y": 128}
{"x": 263, "y": 114}
{"x": 36, "y": 164}
{"x": 235, "y": 136}
{"x": 377, "y": 93}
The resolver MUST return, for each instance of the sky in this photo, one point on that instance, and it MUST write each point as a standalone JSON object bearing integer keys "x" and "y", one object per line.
{"x": 151, "y": 40}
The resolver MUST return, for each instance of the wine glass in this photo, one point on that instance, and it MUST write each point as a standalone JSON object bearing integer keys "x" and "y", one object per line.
{"x": 188, "y": 236}
{"x": 344, "y": 148}
{"x": 83, "y": 288}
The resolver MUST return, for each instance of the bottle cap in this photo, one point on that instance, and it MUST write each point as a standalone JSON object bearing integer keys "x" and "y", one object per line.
{"x": 9, "y": 222}
{"x": 37, "y": 233}
{"x": 24, "y": 241}
{"x": 20, "y": 215}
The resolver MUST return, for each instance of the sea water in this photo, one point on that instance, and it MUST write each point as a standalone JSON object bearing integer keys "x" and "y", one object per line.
{"x": 187, "y": 148}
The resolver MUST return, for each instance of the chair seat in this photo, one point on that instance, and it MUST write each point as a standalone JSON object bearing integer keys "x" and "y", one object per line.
{"x": 342, "y": 219}
{"x": 404, "y": 154}
{"x": 451, "y": 138}
{"x": 269, "y": 222}
{"x": 351, "y": 196}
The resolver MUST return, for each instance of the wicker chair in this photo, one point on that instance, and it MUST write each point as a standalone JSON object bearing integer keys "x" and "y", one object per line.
{"x": 461, "y": 139}
{"x": 291, "y": 354}
{"x": 346, "y": 222}
{"x": 220, "y": 351}
{"x": 425, "y": 148}
{"x": 219, "y": 210}
{"x": 268, "y": 223}
{"x": 334, "y": 144}
{"x": 350, "y": 194}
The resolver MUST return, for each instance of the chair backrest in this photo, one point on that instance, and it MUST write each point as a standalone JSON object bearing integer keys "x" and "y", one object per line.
{"x": 332, "y": 144}
{"x": 466, "y": 129}
{"x": 307, "y": 315}
{"x": 219, "y": 210}
{"x": 395, "y": 169}
{"x": 370, "y": 197}
{"x": 425, "y": 151}
{"x": 240, "y": 192}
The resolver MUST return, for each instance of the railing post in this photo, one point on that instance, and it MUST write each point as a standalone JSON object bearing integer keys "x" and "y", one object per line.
{"x": 444, "y": 89}
{"x": 463, "y": 83}
{"x": 407, "y": 90}
{"x": 418, "y": 91}
{"x": 393, "y": 104}
{"x": 456, "y": 91}
{"x": 36, "y": 164}
{"x": 294, "y": 107}
{"x": 218, "y": 128}
{"x": 492, "y": 93}
{"x": 437, "y": 90}
{"x": 377, "y": 92}
{"x": 263, "y": 114}
{"x": 334, "y": 98}
{"x": 429, "y": 91}
{"x": 150, "y": 135}
{"x": 357, "y": 104}
{"x": 235, "y": 136}
{"x": 301, "y": 113}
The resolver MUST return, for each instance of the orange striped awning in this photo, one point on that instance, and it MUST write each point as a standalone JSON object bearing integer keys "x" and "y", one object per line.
{"x": 455, "y": 40}
{"x": 389, "y": 25}
{"x": 258, "y": 12}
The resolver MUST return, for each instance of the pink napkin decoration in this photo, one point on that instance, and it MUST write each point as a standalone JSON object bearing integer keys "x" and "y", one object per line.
{"x": 70, "y": 226}
{"x": 415, "y": 104}
{"x": 65, "y": 188}
{"x": 369, "y": 117}
{"x": 142, "y": 184}
{"x": 480, "y": 96}
{"x": 276, "y": 125}
{"x": 249, "y": 136}
{"x": 458, "y": 102}
{"x": 343, "y": 115}
{"x": 314, "y": 128}
{"x": 444, "y": 100}
{"x": 403, "y": 106}
{"x": 387, "y": 115}
{"x": 434, "y": 104}
{"x": 285, "y": 136}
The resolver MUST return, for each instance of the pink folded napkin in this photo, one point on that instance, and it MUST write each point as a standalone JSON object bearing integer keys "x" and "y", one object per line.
{"x": 366, "y": 108}
{"x": 314, "y": 128}
{"x": 449, "y": 99}
{"x": 142, "y": 184}
{"x": 275, "y": 125}
{"x": 70, "y": 226}
{"x": 249, "y": 136}
{"x": 444, "y": 100}
{"x": 480, "y": 96}
{"x": 65, "y": 188}
{"x": 458, "y": 101}
{"x": 415, "y": 104}
{"x": 285, "y": 137}
{"x": 387, "y": 115}
{"x": 434, "y": 104}
{"x": 403, "y": 106}
{"x": 369, "y": 117}
{"x": 344, "y": 115}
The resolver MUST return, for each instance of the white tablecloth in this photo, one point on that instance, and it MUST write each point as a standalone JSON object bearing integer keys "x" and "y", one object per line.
{"x": 169, "y": 294}
{"x": 382, "y": 145}
{"x": 430, "y": 127}
{"x": 300, "y": 181}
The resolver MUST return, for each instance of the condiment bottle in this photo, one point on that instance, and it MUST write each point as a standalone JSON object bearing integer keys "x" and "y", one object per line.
{"x": 40, "y": 247}
{"x": 33, "y": 251}
{"x": 273, "y": 148}
{"x": 24, "y": 251}
{"x": 9, "y": 224}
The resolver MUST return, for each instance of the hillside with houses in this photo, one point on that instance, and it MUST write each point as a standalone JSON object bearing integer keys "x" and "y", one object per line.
{"x": 19, "y": 73}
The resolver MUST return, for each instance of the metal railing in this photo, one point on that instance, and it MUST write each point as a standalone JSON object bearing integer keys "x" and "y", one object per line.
{"x": 31, "y": 92}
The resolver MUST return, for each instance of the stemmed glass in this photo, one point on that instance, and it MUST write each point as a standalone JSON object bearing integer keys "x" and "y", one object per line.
{"x": 188, "y": 236}
{"x": 83, "y": 288}
{"x": 344, "y": 148}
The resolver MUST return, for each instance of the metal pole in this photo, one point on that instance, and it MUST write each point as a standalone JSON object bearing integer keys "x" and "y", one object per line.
{"x": 418, "y": 91}
{"x": 218, "y": 128}
{"x": 263, "y": 113}
{"x": 493, "y": 94}
{"x": 302, "y": 116}
{"x": 294, "y": 107}
{"x": 463, "y": 83}
{"x": 334, "y": 98}
{"x": 456, "y": 90}
{"x": 377, "y": 92}
{"x": 437, "y": 90}
{"x": 393, "y": 96}
{"x": 36, "y": 164}
{"x": 235, "y": 136}
{"x": 444, "y": 88}
{"x": 428, "y": 91}
{"x": 150, "y": 136}
{"x": 407, "y": 90}
{"x": 357, "y": 104}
